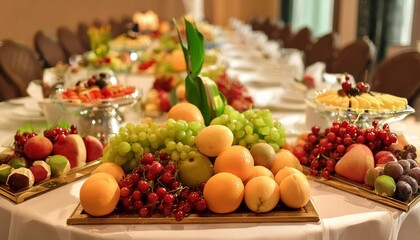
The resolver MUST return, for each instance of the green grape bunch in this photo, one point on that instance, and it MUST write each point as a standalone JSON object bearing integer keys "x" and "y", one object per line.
{"x": 177, "y": 137}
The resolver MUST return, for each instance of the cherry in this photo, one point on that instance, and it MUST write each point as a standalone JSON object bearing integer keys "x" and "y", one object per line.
{"x": 362, "y": 86}
{"x": 346, "y": 85}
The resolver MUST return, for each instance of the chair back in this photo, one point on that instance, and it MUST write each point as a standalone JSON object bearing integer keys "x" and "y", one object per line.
{"x": 70, "y": 41}
{"x": 355, "y": 59}
{"x": 19, "y": 64}
{"x": 302, "y": 40}
{"x": 285, "y": 35}
{"x": 49, "y": 49}
{"x": 7, "y": 89}
{"x": 398, "y": 75}
{"x": 322, "y": 49}
{"x": 82, "y": 29}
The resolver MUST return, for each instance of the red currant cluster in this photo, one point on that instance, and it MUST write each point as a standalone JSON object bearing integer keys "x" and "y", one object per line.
{"x": 323, "y": 149}
{"x": 20, "y": 140}
{"x": 55, "y": 132}
{"x": 153, "y": 188}
{"x": 347, "y": 89}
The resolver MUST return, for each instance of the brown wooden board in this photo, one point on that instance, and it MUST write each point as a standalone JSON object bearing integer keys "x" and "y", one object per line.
{"x": 280, "y": 214}
{"x": 48, "y": 185}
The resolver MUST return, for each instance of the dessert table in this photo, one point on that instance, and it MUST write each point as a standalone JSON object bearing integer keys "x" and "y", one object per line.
{"x": 342, "y": 215}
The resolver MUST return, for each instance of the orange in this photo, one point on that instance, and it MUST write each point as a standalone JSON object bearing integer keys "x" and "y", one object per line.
{"x": 109, "y": 167}
{"x": 223, "y": 192}
{"x": 99, "y": 194}
{"x": 261, "y": 194}
{"x": 259, "y": 171}
{"x": 177, "y": 60}
{"x": 214, "y": 139}
{"x": 236, "y": 160}
{"x": 187, "y": 112}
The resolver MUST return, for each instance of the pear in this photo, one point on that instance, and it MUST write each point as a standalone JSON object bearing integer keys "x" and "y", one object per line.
{"x": 355, "y": 163}
{"x": 196, "y": 170}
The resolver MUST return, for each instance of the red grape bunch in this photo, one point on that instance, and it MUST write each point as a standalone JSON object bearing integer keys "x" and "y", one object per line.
{"x": 153, "y": 188}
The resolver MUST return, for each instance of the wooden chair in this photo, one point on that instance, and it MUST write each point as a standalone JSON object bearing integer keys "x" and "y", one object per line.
{"x": 82, "y": 29}
{"x": 302, "y": 40}
{"x": 117, "y": 28}
{"x": 322, "y": 49}
{"x": 49, "y": 49}
{"x": 398, "y": 75}
{"x": 7, "y": 89}
{"x": 19, "y": 65}
{"x": 70, "y": 41}
{"x": 355, "y": 59}
{"x": 285, "y": 35}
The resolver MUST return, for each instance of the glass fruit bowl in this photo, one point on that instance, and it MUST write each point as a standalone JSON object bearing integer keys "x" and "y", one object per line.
{"x": 99, "y": 117}
{"x": 362, "y": 117}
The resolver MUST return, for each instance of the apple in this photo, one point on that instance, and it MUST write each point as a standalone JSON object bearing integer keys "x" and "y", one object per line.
{"x": 194, "y": 171}
{"x": 72, "y": 147}
{"x": 383, "y": 157}
{"x": 41, "y": 171}
{"x": 355, "y": 163}
{"x": 5, "y": 170}
{"x": 37, "y": 147}
{"x": 59, "y": 165}
{"x": 94, "y": 148}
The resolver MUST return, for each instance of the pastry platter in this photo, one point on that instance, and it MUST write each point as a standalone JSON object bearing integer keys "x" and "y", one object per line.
{"x": 280, "y": 214}
{"x": 55, "y": 182}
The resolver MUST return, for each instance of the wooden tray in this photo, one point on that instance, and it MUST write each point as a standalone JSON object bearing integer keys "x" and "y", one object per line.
{"x": 280, "y": 214}
{"x": 363, "y": 191}
{"x": 53, "y": 183}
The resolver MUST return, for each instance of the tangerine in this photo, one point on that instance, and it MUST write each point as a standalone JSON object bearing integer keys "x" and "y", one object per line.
{"x": 187, "y": 112}
{"x": 236, "y": 160}
{"x": 223, "y": 192}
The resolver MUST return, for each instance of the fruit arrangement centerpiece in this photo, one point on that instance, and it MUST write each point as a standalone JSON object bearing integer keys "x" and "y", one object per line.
{"x": 374, "y": 160}
{"x": 206, "y": 159}
{"x": 40, "y": 160}
{"x": 358, "y": 104}
{"x": 97, "y": 101}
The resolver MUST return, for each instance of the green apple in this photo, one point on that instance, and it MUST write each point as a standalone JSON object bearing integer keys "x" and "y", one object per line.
{"x": 59, "y": 164}
{"x": 5, "y": 170}
{"x": 17, "y": 162}
{"x": 194, "y": 171}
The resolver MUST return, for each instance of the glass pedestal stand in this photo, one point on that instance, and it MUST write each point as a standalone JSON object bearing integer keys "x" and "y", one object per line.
{"x": 103, "y": 122}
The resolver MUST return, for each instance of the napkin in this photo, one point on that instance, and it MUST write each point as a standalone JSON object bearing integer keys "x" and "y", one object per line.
{"x": 316, "y": 71}
{"x": 35, "y": 90}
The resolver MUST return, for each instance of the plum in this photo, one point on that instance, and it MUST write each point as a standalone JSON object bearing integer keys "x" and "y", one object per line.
{"x": 410, "y": 180}
{"x": 403, "y": 191}
{"x": 405, "y": 164}
{"x": 415, "y": 173}
{"x": 413, "y": 163}
{"x": 394, "y": 170}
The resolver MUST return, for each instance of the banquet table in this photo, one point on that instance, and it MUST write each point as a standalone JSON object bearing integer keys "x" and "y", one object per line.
{"x": 342, "y": 215}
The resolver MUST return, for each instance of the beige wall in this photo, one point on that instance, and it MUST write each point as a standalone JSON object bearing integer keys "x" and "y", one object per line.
{"x": 20, "y": 19}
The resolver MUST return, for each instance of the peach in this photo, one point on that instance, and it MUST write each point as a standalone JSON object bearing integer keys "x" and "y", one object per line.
{"x": 261, "y": 194}
{"x": 37, "y": 147}
{"x": 355, "y": 163}
{"x": 99, "y": 194}
{"x": 72, "y": 147}
{"x": 94, "y": 148}
{"x": 295, "y": 191}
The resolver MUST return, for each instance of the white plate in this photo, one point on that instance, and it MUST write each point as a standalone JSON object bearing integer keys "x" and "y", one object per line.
{"x": 22, "y": 113}
{"x": 19, "y": 101}
{"x": 272, "y": 99}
